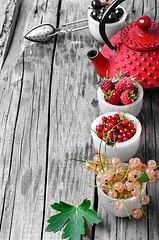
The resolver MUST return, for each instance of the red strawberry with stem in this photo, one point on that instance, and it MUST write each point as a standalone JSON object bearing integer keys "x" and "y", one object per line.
{"x": 125, "y": 74}
{"x": 124, "y": 84}
{"x": 122, "y": 75}
{"x": 112, "y": 97}
{"x": 127, "y": 97}
{"x": 106, "y": 85}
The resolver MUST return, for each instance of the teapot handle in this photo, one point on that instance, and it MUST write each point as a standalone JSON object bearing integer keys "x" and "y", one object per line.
{"x": 104, "y": 20}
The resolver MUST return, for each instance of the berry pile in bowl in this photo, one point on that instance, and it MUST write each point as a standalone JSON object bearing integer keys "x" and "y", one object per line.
{"x": 116, "y": 134}
{"x": 116, "y": 19}
{"x": 121, "y": 186}
{"x": 120, "y": 93}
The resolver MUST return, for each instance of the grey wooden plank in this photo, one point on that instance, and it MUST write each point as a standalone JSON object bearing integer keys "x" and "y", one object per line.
{"x": 112, "y": 227}
{"x": 151, "y": 151}
{"x": 71, "y": 114}
{"x": 24, "y": 118}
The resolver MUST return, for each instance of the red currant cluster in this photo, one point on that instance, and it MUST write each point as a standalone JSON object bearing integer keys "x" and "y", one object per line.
{"x": 115, "y": 129}
{"x": 123, "y": 182}
{"x": 121, "y": 90}
{"x": 100, "y": 7}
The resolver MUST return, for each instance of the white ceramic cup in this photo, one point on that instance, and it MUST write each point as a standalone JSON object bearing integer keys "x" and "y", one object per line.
{"x": 124, "y": 150}
{"x": 108, "y": 203}
{"x": 133, "y": 108}
{"x": 110, "y": 28}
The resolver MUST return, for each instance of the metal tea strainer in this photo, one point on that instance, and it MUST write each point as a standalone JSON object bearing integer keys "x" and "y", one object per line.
{"x": 46, "y": 32}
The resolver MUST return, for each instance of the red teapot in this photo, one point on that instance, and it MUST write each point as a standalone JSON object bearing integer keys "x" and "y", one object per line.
{"x": 135, "y": 49}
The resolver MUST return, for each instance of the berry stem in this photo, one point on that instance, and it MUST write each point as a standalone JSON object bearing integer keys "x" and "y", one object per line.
{"x": 97, "y": 186}
{"x": 115, "y": 146}
{"x": 156, "y": 167}
{"x": 144, "y": 213}
{"x": 123, "y": 179}
{"x": 143, "y": 209}
{"x": 106, "y": 157}
{"x": 89, "y": 164}
{"x": 114, "y": 128}
{"x": 126, "y": 174}
{"x": 100, "y": 155}
{"x": 106, "y": 77}
{"x": 126, "y": 209}
{"x": 108, "y": 133}
{"x": 78, "y": 160}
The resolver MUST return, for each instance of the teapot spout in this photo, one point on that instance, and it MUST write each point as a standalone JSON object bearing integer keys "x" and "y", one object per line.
{"x": 100, "y": 63}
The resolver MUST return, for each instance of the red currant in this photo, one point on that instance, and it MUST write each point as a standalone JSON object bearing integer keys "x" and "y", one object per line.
{"x": 133, "y": 131}
{"x": 125, "y": 135}
{"x": 113, "y": 129}
{"x": 107, "y": 129}
{"x": 97, "y": 128}
{"x": 125, "y": 129}
{"x": 125, "y": 139}
{"x": 117, "y": 116}
{"x": 120, "y": 137}
{"x": 104, "y": 119}
{"x": 121, "y": 131}
{"x": 130, "y": 125}
{"x": 111, "y": 125}
{"x": 110, "y": 118}
{"x": 110, "y": 136}
{"x": 101, "y": 134}
{"x": 118, "y": 127}
{"x": 101, "y": 127}
{"x": 129, "y": 134}
{"x": 124, "y": 123}
{"x": 114, "y": 121}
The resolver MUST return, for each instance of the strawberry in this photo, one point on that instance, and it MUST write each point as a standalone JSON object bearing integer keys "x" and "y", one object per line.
{"x": 124, "y": 84}
{"x": 112, "y": 97}
{"x": 127, "y": 97}
{"x": 135, "y": 90}
{"x": 106, "y": 85}
{"x": 125, "y": 74}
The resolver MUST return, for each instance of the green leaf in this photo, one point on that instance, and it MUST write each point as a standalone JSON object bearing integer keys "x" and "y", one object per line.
{"x": 73, "y": 217}
{"x": 142, "y": 177}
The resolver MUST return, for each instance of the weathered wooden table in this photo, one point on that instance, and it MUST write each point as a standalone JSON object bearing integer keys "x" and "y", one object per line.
{"x": 47, "y": 103}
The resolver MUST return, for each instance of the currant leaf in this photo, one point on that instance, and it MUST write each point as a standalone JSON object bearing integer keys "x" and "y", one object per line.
{"x": 73, "y": 217}
{"x": 142, "y": 177}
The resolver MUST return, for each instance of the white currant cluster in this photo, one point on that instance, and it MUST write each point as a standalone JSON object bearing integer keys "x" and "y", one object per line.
{"x": 121, "y": 182}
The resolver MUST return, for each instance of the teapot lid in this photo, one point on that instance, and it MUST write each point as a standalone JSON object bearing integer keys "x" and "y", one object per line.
{"x": 141, "y": 35}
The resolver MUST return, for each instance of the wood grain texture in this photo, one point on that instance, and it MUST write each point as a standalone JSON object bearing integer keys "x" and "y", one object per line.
{"x": 47, "y": 103}
{"x": 25, "y": 150}
{"x": 71, "y": 113}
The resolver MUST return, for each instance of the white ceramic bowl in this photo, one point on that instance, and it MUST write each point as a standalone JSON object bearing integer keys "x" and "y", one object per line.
{"x": 110, "y": 28}
{"x": 133, "y": 108}
{"x": 108, "y": 203}
{"x": 124, "y": 150}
